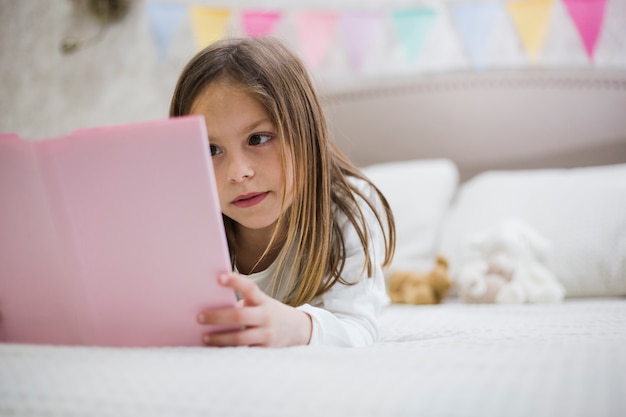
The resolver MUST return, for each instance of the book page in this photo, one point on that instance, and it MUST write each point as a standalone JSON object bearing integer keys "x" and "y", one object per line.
{"x": 37, "y": 283}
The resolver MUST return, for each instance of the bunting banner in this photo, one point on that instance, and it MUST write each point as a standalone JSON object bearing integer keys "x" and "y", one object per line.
{"x": 588, "y": 16}
{"x": 315, "y": 32}
{"x": 531, "y": 19}
{"x": 164, "y": 19}
{"x": 475, "y": 22}
{"x": 364, "y": 35}
{"x": 412, "y": 28}
{"x": 256, "y": 23}
{"x": 359, "y": 30}
{"x": 209, "y": 24}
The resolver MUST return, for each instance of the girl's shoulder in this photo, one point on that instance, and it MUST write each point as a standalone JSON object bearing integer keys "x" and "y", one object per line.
{"x": 366, "y": 191}
{"x": 365, "y": 220}
{"x": 366, "y": 198}
{"x": 363, "y": 188}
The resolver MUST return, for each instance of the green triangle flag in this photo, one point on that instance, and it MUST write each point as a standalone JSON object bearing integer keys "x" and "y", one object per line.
{"x": 412, "y": 27}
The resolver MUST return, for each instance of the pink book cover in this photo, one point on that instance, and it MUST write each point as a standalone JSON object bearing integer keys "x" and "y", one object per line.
{"x": 110, "y": 236}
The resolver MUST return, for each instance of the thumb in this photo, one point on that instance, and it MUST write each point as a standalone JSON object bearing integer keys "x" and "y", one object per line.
{"x": 250, "y": 292}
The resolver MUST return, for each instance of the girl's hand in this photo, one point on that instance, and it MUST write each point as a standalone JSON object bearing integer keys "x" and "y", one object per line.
{"x": 263, "y": 321}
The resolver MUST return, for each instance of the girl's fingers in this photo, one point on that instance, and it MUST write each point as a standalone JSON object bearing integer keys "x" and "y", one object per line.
{"x": 250, "y": 292}
{"x": 246, "y": 337}
{"x": 249, "y": 317}
{"x": 238, "y": 316}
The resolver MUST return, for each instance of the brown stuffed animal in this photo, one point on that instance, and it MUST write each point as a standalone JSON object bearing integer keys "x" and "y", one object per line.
{"x": 410, "y": 287}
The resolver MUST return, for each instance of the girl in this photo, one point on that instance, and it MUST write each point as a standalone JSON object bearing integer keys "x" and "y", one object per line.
{"x": 308, "y": 233}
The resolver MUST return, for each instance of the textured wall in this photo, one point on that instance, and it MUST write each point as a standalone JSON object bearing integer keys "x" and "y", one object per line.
{"x": 120, "y": 78}
{"x": 46, "y": 92}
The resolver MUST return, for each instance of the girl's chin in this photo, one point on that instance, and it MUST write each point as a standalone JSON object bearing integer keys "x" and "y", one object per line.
{"x": 260, "y": 224}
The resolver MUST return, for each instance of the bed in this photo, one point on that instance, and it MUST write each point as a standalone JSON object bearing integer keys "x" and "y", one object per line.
{"x": 452, "y": 153}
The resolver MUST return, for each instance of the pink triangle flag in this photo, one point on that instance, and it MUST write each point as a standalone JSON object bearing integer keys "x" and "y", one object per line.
{"x": 259, "y": 23}
{"x": 588, "y": 16}
{"x": 315, "y": 32}
{"x": 359, "y": 29}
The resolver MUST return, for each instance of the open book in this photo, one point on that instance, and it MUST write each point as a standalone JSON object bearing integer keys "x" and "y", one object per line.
{"x": 110, "y": 236}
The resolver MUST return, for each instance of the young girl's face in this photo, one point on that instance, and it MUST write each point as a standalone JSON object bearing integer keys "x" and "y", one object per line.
{"x": 246, "y": 156}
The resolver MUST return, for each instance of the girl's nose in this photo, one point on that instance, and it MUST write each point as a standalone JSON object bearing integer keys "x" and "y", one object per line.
{"x": 239, "y": 169}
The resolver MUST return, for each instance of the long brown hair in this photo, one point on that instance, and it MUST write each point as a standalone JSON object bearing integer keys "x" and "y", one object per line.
{"x": 266, "y": 69}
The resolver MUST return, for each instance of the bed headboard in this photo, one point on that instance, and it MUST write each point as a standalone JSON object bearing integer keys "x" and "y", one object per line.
{"x": 501, "y": 120}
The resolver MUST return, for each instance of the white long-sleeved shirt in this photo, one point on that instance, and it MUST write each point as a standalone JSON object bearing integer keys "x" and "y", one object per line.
{"x": 346, "y": 315}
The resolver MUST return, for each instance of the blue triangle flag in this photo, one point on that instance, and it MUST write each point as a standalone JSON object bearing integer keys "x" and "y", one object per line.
{"x": 475, "y": 22}
{"x": 164, "y": 19}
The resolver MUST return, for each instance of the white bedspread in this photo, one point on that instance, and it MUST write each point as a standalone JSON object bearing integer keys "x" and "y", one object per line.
{"x": 448, "y": 360}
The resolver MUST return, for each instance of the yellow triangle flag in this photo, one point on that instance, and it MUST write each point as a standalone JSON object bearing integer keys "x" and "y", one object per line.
{"x": 531, "y": 18}
{"x": 209, "y": 24}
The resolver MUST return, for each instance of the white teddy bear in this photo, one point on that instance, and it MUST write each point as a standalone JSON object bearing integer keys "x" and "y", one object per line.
{"x": 506, "y": 265}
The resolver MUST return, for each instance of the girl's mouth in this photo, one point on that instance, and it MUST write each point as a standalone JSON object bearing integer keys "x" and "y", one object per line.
{"x": 249, "y": 200}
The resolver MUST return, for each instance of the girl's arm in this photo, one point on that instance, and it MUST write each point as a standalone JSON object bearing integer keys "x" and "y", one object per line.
{"x": 348, "y": 315}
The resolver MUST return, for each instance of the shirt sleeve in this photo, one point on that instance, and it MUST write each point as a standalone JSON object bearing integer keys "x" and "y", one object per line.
{"x": 347, "y": 315}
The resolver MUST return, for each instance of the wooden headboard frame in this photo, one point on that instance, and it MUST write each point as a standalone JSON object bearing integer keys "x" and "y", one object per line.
{"x": 502, "y": 120}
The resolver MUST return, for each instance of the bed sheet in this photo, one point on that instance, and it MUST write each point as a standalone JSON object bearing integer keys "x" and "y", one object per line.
{"x": 446, "y": 360}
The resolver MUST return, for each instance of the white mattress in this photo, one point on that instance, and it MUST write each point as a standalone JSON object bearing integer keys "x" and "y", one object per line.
{"x": 447, "y": 360}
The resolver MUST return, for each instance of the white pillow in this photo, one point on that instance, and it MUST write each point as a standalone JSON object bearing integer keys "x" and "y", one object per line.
{"x": 419, "y": 193}
{"x": 581, "y": 211}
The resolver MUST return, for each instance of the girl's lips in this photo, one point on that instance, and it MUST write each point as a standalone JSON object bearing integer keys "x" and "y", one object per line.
{"x": 249, "y": 200}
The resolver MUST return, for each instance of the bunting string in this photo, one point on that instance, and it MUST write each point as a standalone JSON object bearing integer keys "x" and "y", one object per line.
{"x": 355, "y": 32}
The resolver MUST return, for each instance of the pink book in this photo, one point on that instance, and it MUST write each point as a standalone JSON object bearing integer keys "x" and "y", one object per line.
{"x": 110, "y": 236}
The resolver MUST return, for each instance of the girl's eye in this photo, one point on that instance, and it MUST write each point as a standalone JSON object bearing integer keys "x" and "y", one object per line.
{"x": 259, "y": 139}
{"x": 215, "y": 150}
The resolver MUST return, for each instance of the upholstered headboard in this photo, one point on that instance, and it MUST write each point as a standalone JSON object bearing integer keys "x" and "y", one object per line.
{"x": 490, "y": 120}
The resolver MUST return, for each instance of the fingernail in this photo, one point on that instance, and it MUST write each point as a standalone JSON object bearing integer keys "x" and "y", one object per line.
{"x": 222, "y": 278}
{"x": 206, "y": 339}
{"x": 201, "y": 318}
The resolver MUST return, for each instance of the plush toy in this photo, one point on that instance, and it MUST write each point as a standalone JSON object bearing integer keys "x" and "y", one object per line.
{"x": 507, "y": 265}
{"x": 411, "y": 287}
